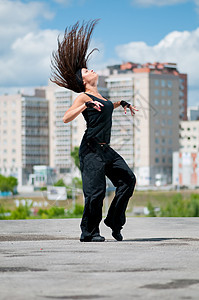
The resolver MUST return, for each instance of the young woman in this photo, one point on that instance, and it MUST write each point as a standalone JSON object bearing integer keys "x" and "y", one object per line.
{"x": 97, "y": 158}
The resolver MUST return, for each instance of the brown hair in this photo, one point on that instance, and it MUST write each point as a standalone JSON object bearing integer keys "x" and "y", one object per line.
{"x": 70, "y": 56}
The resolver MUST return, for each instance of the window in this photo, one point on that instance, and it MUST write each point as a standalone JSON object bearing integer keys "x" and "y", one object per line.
{"x": 170, "y": 122}
{"x": 170, "y": 141}
{"x": 157, "y": 121}
{"x": 156, "y": 81}
{"x": 163, "y": 122}
{"x": 169, "y": 112}
{"x": 157, "y": 151}
{"x": 156, "y": 102}
{"x": 156, "y": 92}
{"x": 170, "y": 151}
{"x": 163, "y": 83}
{"x": 163, "y": 160}
{"x": 169, "y": 83}
{"x": 156, "y": 140}
{"x": 163, "y": 102}
{"x": 169, "y": 93}
{"x": 163, "y": 141}
{"x": 169, "y": 102}
{"x": 157, "y": 160}
{"x": 163, "y": 131}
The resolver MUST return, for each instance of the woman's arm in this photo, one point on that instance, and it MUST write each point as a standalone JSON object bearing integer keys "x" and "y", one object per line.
{"x": 125, "y": 105}
{"x": 116, "y": 104}
{"x": 79, "y": 105}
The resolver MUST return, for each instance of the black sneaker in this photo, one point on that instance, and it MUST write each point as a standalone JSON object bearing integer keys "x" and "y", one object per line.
{"x": 98, "y": 238}
{"x": 117, "y": 235}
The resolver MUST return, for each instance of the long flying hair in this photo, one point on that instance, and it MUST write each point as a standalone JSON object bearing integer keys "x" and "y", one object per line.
{"x": 70, "y": 56}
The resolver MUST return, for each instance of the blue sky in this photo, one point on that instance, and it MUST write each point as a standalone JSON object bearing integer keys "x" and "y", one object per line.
{"x": 135, "y": 30}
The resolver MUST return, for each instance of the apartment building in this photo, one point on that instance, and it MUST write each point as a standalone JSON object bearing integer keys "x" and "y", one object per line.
{"x": 186, "y": 160}
{"x": 23, "y": 135}
{"x": 148, "y": 139}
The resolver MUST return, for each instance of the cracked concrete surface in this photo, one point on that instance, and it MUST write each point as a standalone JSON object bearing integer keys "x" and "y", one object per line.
{"x": 44, "y": 259}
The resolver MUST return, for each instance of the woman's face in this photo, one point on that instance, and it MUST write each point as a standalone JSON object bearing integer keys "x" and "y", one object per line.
{"x": 89, "y": 76}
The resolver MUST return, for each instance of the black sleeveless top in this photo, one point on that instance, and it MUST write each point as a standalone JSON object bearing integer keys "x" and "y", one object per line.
{"x": 98, "y": 122}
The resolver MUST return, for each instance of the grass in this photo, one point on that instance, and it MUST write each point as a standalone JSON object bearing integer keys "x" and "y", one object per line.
{"x": 140, "y": 198}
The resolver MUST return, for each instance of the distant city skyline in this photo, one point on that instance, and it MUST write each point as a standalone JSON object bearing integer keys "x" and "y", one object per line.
{"x": 129, "y": 30}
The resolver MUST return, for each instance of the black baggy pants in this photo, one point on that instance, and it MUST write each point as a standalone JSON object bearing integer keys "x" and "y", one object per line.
{"x": 96, "y": 162}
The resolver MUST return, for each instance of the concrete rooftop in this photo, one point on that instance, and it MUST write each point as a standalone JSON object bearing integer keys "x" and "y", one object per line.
{"x": 44, "y": 259}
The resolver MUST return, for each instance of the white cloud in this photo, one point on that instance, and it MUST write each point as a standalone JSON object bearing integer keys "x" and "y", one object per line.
{"x": 25, "y": 50}
{"x": 29, "y": 59}
{"x": 179, "y": 47}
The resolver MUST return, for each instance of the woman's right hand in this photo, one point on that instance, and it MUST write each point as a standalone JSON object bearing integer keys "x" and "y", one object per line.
{"x": 94, "y": 104}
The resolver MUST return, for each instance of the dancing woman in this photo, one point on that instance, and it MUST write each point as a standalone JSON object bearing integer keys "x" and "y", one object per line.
{"x": 97, "y": 158}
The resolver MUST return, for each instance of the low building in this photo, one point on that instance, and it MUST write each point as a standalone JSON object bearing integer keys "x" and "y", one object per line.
{"x": 186, "y": 169}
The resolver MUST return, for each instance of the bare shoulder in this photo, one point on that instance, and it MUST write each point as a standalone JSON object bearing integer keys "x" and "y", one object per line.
{"x": 81, "y": 99}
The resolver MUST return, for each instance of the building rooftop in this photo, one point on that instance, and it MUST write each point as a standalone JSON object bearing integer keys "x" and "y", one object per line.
{"x": 44, "y": 259}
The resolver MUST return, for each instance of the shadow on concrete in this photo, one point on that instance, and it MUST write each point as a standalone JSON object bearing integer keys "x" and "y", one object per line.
{"x": 160, "y": 239}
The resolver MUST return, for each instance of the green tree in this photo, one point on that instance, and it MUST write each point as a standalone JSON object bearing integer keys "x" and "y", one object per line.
{"x": 177, "y": 207}
{"x": 8, "y": 184}
{"x": 60, "y": 182}
{"x": 77, "y": 182}
{"x": 75, "y": 156}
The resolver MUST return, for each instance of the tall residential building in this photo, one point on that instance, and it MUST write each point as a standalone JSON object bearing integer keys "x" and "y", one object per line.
{"x": 23, "y": 135}
{"x": 147, "y": 140}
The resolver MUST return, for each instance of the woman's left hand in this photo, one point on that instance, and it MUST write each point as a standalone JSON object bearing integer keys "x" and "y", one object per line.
{"x": 132, "y": 109}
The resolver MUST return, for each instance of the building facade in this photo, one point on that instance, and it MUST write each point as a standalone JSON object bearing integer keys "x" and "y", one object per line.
{"x": 24, "y": 135}
{"x": 148, "y": 139}
{"x": 186, "y": 169}
{"x": 193, "y": 113}
{"x": 189, "y": 136}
